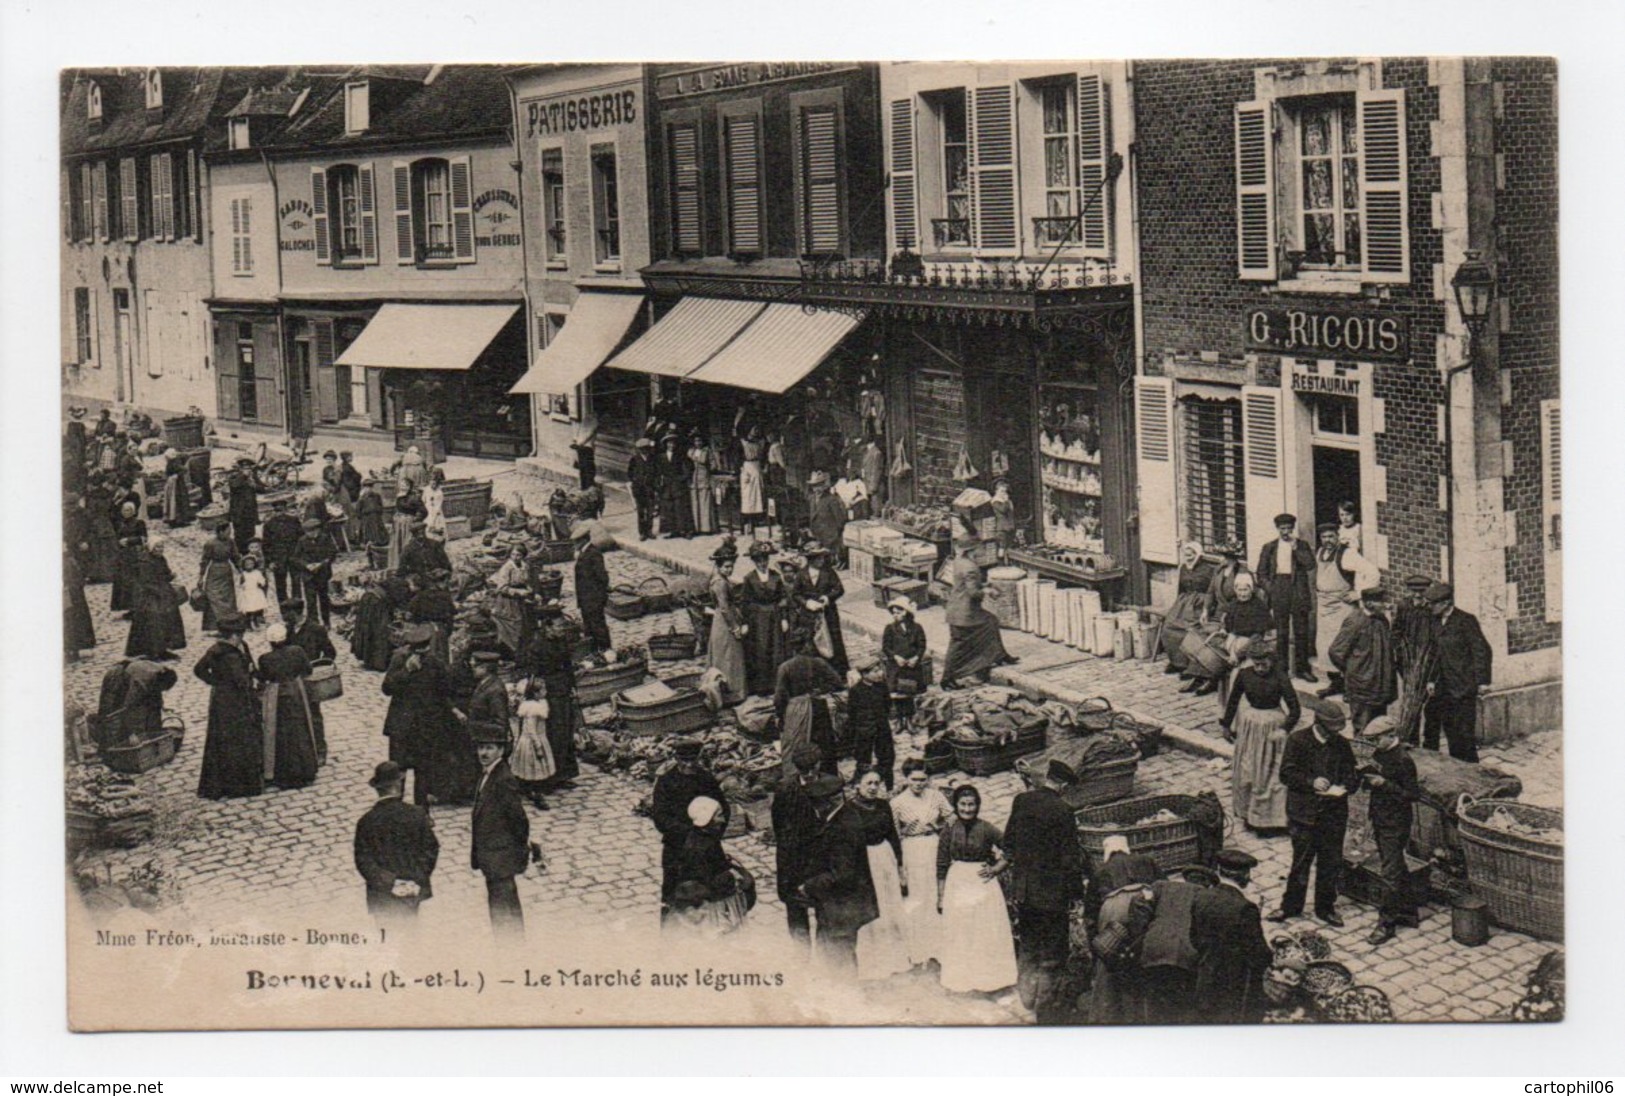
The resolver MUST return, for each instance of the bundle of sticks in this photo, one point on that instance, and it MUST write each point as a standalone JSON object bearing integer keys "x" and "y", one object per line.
{"x": 1419, "y": 660}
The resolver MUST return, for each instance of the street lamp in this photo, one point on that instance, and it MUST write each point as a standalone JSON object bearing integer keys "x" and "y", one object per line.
{"x": 1474, "y": 286}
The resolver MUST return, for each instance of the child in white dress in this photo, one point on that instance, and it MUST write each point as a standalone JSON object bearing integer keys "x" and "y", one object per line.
{"x": 251, "y": 592}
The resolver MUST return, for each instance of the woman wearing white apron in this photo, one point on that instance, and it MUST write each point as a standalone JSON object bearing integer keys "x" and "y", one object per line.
{"x": 920, "y": 812}
{"x": 752, "y": 503}
{"x": 882, "y": 950}
{"x": 978, "y": 952}
{"x": 1335, "y": 599}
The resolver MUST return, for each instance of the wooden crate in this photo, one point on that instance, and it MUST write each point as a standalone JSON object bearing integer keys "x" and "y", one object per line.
{"x": 862, "y": 564}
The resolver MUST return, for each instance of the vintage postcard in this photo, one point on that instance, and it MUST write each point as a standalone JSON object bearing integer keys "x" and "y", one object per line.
{"x": 812, "y": 543}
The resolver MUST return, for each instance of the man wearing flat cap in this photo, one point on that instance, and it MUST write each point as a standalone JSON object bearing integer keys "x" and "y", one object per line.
{"x": 423, "y": 555}
{"x": 313, "y": 561}
{"x": 1363, "y": 653}
{"x": 1232, "y": 955}
{"x": 868, "y": 720}
{"x": 279, "y": 540}
{"x": 642, "y": 477}
{"x": 1460, "y": 674}
{"x": 489, "y": 712}
{"x": 1046, "y": 877}
{"x": 1286, "y": 573}
{"x": 395, "y": 850}
{"x": 1318, "y": 770}
{"x": 1391, "y": 776}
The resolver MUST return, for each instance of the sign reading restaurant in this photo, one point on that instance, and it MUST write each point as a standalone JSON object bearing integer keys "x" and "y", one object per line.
{"x": 1328, "y": 333}
{"x": 721, "y": 77}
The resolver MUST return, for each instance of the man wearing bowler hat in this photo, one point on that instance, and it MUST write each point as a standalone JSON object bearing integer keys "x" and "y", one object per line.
{"x": 1318, "y": 770}
{"x": 1286, "y": 573}
{"x": 501, "y": 834}
{"x": 1046, "y": 877}
{"x": 1460, "y": 674}
{"x": 1231, "y": 952}
{"x": 395, "y": 850}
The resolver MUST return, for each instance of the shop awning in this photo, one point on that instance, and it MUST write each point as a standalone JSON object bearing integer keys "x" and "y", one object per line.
{"x": 427, "y": 336}
{"x": 596, "y": 325}
{"x": 687, "y": 337}
{"x": 779, "y": 348}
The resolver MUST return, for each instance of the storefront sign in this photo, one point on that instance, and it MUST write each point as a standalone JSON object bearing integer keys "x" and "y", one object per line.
{"x": 1311, "y": 383}
{"x": 722, "y": 77}
{"x": 298, "y": 220}
{"x": 499, "y": 224}
{"x": 581, "y": 113}
{"x": 1341, "y": 334}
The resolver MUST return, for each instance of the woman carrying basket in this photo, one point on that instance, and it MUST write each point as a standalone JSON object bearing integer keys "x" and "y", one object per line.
{"x": 1262, "y": 711}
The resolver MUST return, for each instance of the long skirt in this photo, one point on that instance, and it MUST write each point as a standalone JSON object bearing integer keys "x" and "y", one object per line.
{"x": 922, "y": 924}
{"x": 978, "y": 952}
{"x": 101, "y": 563}
{"x": 291, "y": 752}
{"x": 124, "y": 576}
{"x": 1185, "y": 612}
{"x": 1257, "y": 796}
{"x": 563, "y": 720}
{"x": 974, "y": 648}
{"x": 764, "y": 650}
{"x": 1330, "y": 613}
{"x": 532, "y": 756}
{"x": 371, "y": 528}
{"x": 78, "y": 631}
{"x": 156, "y": 628}
{"x": 751, "y": 501}
{"x": 700, "y": 499}
{"x": 219, "y": 593}
{"x": 400, "y": 535}
{"x": 177, "y": 501}
{"x": 726, "y": 655}
{"x": 882, "y": 943}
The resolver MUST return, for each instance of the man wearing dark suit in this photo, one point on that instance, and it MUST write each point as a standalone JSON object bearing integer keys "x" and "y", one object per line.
{"x": 489, "y": 714}
{"x": 1461, "y": 672}
{"x": 313, "y": 562}
{"x": 592, "y": 589}
{"x": 1231, "y": 952}
{"x": 839, "y": 884}
{"x": 642, "y": 478}
{"x": 1046, "y": 876}
{"x": 1286, "y": 573}
{"x": 501, "y": 845}
{"x": 673, "y": 791}
{"x": 796, "y": 825}
{"x": 395, "y": 850}
{"x": 279, "y": 538}
{"x": 1318, "y": 770}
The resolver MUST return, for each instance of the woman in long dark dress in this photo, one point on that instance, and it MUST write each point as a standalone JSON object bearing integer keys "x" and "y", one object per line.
{"x": 761, "y": 601}
{"x": 882, "y": 943}
{"x": 370, "y": 640}
{"x": 424, "y": 732}
{"x": 552, "y": 659}
{"x": 156, "y": 628}
{"x": 78, "y": 632}
{"x": 370, "y": 515}
{"x": 101, "y": 562}
{"x": 1261, "y": 713}
{"x": 293, "y": 746}
{"x": 177, "y": 490}
{"x": 1191, "y": 604}
{"x": 217, "y": 575}
{"x": 815, "y": 596}
{"x": 132, "y": 535}
{"x": 233, "y": 752}
{"x": 243, "y": 505}
{"x": 907, "y": 662}
{"x": 974, "y": 644}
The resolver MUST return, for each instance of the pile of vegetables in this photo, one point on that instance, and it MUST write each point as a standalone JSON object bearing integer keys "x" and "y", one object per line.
{"x": 930, "y": 522}
{"x": 748, "y": 771}
{"x": 624, "y": 655}
{"x": 1545, "y": 990}
{"x": 99, "y": 791}
{"x": 1304, "y": 985}
{"x": 1507, "y": 822}
{"x": 989, "y": 715}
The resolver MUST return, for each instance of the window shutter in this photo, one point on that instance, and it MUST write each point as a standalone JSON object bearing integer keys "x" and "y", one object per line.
{"x": 744, "y": 185}
{"x": 685, "y": 173}
{"x": 87, "y": 204}
{"x": 67, "y": 206}
{"x": 405, "y": 251}
{"x": 319, "y": 214}
{"x": 1154, "y": 456}
{"x": 1383, "y": 213}
{"x": 194, "y": 209}
{"x": 327, "y": 390}
{"x": 98, "y": 182}
{"x": 367, "y": 199}
{"x": 1094, "y": 147}
{"x": 225, "y": 373}
{"x": 904, "y": 204}
{"x": 236, "y": 235}
{"x": 129, "y": 200}
{"x": 268, "y": 374}
{"x": 1551, "y": 505}
{"x": 821, "y": 180}
{"x": 165, "y": 177}
{"x": 1255, "y": 192}
{"x": 462, "y": 208}
{"x": 1264, "y": 484}
{"x": 993, "y": 169}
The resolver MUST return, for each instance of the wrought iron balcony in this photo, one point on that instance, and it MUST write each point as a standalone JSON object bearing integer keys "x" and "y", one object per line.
{"x": 951, "y": 231}
{"x": 438, "y": 252}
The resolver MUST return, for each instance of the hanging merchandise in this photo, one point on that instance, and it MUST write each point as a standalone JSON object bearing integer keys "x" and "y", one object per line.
{"x": 872, "y": 410}
{"x": 900, "y": 466}
{"x": 998, "y": 464}
{"x": 964, "y": 470}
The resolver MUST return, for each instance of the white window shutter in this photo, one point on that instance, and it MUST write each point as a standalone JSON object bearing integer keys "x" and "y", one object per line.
{"x": 248, "y": 235}
{"x": 67, "y": 209}
{"x": 1551, "y": 504}
{"x": 367, "y": 200}
{"x": 462, "y": 208}
{"x": 1154, "y": 457}
{"x": 129, "y": 200}
{"x": 1094, "y": 147}
{"x": 1386, "y": 253}
{"x": 319, "y": 214}
{"x": 905, "y": 234}
{"x": 405, "y": 249}
{"x": 164, "y": 169}
{"x": 992, "y": 124}
{"x": 1255, "y": 192}
{"x": 236, "y": 235}
{"x": 99, "y": 183}
{"x": 821, "y": 180}
{"x": 1264, "y": 479}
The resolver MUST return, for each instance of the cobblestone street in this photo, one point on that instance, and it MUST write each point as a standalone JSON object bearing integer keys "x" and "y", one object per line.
{"x": 236, "y": 863}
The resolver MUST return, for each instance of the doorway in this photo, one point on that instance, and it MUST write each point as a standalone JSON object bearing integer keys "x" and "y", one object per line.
{"x": 247, "y": 388}
{"x": 124, "y": 344}
{"x": 1337, "y": 480}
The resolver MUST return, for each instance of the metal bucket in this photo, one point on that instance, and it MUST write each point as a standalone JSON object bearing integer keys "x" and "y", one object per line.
{"x": 1470, "y": 921}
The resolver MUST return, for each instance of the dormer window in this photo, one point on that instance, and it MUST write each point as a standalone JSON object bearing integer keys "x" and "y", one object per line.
{"x": 155, "y": 89}
{"x": 239, "y": 133}
{"x": 355, "y": 108}
{"x": 93, "y": 102}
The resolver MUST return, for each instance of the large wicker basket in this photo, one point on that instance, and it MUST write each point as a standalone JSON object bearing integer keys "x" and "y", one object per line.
{"x": 1171, "y": 844}
{"x": 1103, "y": 783}
{"x": 678, "y": 714}
{"x": 599, "y": 684}
{"x": 1520, "y": 878}
{"x": 624, "y": 603}
{"x": 656, "y": 594}
{"x": 555, "y": 551}
{"x": 673, "y": 646}
{"x": 325, "y": 683}
{"x": 985, "y": 759}
{"x": 143, "y": 754}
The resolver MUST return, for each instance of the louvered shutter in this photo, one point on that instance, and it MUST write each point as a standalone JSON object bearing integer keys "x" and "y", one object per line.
{"x": 993, "y": 169}
{"x": 237, "y": 236}
{"x": 1094, "y": 146}
{"x": 1383, "y": 213}
{"x": 1154, "y": 465}
{"x": 194, "y": 206}
{"x": 367, "y": 200}
{"x": 98, "y": 183}
{"x": 248, "y": 235}
{"x": 685, "y": 179}
{"x": 87, "y": 204}
{"x": 1264, "y": 482}
{"x": 904, "y": 204}
{"x": 1255, "y": 192}
{"x": 268, "y": 374}
{"x": 67, "y": 206}
{"x": 225, "y": 372}
{"x": 165, "y": 175}
{"x": 405, "y": 250}
{"x": 744, "y": 185}
{"x": 821, "y": 180}
{"x": 327, "y": 389}
{"x": 462, "y": 208}
{"x": 1551, "y": 504}
{"x": 319, "y": 214}
{"x": 129, "y": 200}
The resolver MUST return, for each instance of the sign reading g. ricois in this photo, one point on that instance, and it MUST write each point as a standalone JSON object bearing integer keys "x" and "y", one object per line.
{"x": 1328, "y": 334}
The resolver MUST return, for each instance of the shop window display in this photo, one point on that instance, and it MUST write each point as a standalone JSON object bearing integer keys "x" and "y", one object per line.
{"x": 1069, "y": 454}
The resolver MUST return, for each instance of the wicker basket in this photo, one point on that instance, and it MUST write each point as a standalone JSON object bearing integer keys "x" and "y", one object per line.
{"x": 1519, "y": 878}
{"x": 656, "y": 594}
{"x": 673, "y": 646}
{"x": 1148, "y": 735}
{"x": 1103, "y": 784}
{"x": 555, "y": 551}
{"x": 985, "y": 759}
{"x": 686, "y": 711}
{"x": 325, "y": 681}
{"x": 1205, "y": 652}
{"x": 597, "y": 685}
{"x": 624, "y": 603}
{"x": 1095, "y": 715}
{"x": 143, "y": 755}
{"x": 545, "y": 583}
{"x": 1170, "y": 844}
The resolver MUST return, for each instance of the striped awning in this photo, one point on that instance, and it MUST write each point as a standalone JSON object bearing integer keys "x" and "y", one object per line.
{"x": 781, "y": 346}
{"x": 595, "y": 326}
{"x": 687, "y": 337}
